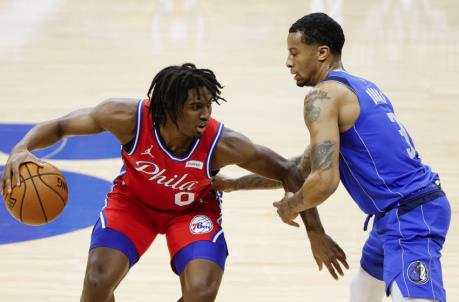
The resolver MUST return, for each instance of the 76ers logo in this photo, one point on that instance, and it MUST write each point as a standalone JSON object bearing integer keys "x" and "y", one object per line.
{"x": 201, "y": 224}
{"x": 418, "y": 272}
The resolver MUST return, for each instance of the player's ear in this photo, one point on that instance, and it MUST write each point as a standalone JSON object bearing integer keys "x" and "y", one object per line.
{"x": 323, "y": 52}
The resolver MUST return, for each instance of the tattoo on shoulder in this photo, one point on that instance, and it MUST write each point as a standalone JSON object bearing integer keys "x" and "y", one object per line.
{"x": 322, "y": 155}
{"x": 312, "y": 112}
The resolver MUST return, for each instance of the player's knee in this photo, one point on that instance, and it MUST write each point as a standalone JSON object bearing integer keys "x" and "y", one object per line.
{"x": 205, "y": 289}
{"x": 106, "y": 268}
{"x": 98, "y": 278}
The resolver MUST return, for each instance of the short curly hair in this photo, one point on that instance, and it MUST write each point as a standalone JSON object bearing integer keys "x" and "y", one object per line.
{"x": 319, "y": 28}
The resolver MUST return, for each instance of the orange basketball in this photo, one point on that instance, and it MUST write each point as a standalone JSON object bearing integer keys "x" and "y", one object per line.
{"x": 41, "y": 197}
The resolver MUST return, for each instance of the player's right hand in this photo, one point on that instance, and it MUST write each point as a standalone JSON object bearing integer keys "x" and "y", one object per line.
{"x": 222, "y": 183}
{"x": 11, "y": 170}
{"x": 285, "y": 211}
{"x": 327, "y": 252}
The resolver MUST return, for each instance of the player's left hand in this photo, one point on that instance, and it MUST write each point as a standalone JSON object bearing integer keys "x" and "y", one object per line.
{"x": 326, "y": 251}
{"x": 286, "y": 212}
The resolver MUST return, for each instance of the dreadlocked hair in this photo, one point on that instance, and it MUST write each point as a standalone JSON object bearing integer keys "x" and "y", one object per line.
{"x": 169, "y": 90}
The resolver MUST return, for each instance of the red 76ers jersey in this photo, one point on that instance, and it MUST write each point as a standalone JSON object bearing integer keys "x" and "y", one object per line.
{"x": 162, "y": 180}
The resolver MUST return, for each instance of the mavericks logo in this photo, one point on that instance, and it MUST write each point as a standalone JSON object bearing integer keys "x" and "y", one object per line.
{"x": 418, "y": 272}
{"x": 201, "y": 224}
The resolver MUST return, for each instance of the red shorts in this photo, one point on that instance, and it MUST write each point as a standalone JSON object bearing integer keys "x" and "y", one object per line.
{"x": 140, "y": 223}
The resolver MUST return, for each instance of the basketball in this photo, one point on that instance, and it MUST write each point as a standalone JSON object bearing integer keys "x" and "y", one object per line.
{"x": 41, "y": 197}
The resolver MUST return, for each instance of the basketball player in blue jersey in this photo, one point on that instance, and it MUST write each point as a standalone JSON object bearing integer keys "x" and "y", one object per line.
{"x": 356, "y": 137}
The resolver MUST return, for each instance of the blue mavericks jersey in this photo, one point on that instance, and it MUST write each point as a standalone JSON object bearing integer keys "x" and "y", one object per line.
{"x": 378, "y": 162}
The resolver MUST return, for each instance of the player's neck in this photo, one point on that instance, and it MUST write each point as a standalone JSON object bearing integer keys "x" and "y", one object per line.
{"x": 328, "y": 67}
{"x": 175, "y": 141}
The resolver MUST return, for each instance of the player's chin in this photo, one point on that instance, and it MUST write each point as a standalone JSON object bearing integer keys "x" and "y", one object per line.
{"x": 301, "y": 83}
{"x": 197, "y": 134}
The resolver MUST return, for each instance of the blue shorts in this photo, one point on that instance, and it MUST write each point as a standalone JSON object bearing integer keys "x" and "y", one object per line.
{"x": 406, "y": 248}
{"x": 214, "y": 250}
{"x": 106, "y": 237}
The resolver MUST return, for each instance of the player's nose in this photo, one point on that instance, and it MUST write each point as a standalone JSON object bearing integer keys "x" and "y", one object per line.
{"x": 206, "y": 112}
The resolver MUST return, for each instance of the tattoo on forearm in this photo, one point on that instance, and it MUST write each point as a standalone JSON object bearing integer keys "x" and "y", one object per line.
{"x": 312, "y": 112}
{"x": 322, "y": 155}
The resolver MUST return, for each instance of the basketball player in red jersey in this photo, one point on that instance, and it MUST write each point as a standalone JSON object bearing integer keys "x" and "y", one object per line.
{"x": 171, "y": 150}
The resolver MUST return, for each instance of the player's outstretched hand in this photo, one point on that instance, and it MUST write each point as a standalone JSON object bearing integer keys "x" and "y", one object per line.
{"x": 285, "y": 211}
{"x": 223, "y": 184}
{"x": 17, "y": 157}
{"x": 326, "y": 251}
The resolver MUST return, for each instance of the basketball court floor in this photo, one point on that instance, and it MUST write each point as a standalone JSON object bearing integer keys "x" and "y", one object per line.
{"x": 60, "y": 55}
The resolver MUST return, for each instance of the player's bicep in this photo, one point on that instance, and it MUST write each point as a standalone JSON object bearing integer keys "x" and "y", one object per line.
{"x": 114, "y": 115}
{"x": 117, "y": 115}
{"x": 266, "y": 162}
{"x": 321, "y": 118}
{"x": 78, "y": 122}
{"x": 235, "y": 148}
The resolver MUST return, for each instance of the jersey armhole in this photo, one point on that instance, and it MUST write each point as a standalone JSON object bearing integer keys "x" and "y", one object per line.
{"x": 130, "y": 147}
{"x": 344, "y": 82}
{"x": 348, "y": 85}
{"x": 210, "y": 155}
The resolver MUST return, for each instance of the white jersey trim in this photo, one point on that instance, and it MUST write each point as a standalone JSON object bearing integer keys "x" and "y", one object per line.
{"x": 101, "y": 214}
{"x": 212, "y": 148}
{"x": 138, "y": 127}
{"x": 171, "y": 156}
{"x": 218, "y": 234}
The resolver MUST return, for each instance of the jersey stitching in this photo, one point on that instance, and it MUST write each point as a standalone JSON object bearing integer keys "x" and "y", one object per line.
{"x": 360, "y": 185}
{"x": 428, "y": 251}
{"x": 403, "y": 252}
{"x": 374, "y": 164}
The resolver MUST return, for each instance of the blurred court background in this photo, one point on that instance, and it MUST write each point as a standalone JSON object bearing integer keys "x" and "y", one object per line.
{"x": 60, "y": 55}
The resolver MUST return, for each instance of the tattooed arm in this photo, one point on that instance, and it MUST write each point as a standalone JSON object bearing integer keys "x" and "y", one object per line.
{"x": 321, "y": 115}
{"x": 256, "y": 182}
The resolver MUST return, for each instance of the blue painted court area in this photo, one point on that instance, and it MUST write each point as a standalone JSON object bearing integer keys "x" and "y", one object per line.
{"x": 86, "y": 198}
{"x": 103, "y": 145}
